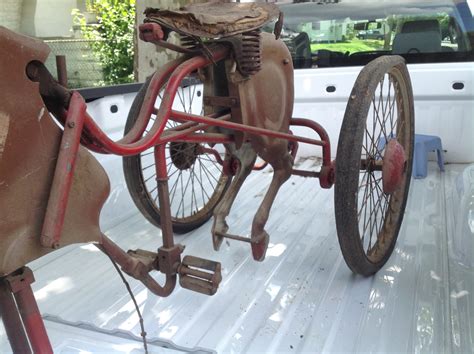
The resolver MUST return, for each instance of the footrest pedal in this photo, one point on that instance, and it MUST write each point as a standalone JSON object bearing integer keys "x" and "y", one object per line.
{"x": 200, "y": 275}
{"x": 241, "y": 238}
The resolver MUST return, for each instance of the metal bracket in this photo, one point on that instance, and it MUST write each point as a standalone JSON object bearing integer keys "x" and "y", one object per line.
{"x": 220, "y": 101}
{"x": 20, "y": 280}
{"x": 146, "y": 262}
{"x": 169, "y": 259}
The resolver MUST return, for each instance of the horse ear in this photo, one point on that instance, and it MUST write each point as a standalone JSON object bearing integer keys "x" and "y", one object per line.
{"x": 278, "y": 26}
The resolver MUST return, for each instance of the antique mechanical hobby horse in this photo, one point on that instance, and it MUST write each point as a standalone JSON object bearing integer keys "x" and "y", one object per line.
{"x": 52, "y": 189}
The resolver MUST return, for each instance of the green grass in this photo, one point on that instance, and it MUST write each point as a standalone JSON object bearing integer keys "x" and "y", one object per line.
{"x": 353, "y": 46}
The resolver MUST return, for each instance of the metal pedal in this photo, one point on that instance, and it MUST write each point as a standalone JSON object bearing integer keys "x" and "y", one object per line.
{"x": 200, "y": 275}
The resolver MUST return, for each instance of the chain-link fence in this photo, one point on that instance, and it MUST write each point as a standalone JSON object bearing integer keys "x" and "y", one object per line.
{"x": 83, "y": 68}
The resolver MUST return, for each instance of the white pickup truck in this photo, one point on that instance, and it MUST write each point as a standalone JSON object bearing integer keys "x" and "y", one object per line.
{"x": 435, "y": 38}
{"x": 303, "y": 298}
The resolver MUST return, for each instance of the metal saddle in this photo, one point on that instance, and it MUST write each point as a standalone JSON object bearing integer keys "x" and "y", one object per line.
{"x": 214, "y": 20}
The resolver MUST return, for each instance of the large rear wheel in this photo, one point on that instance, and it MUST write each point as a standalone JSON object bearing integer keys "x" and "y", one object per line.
{"x": 196, "y": 179}
{"x": 374, "y": 163}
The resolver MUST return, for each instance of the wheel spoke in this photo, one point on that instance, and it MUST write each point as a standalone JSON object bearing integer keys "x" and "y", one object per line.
{"x": 183, "y": 196}
{"x": 364, "y": 205}
{"x": 214, "y": 162}
{"x": 365, "y": 196}
{"x": 376, "y": 141}
{"x": 175, "y": 185}
{"x": 200, "y": 182}
{"x": 181, "y": 99}
{"x": 394, "y": 120}
{"x": 149, "y": 178}
{"x": 191, "y": 97}
{"x": 209, "y": 174}
{"x": 202, "y": 187}
{"x": 146, "y": 154}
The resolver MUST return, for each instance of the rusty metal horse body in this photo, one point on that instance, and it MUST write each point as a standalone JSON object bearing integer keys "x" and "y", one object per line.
{"x": 264, "y": 93}
{"x": 52, "y": 189}
{"x": 266, "y": 101}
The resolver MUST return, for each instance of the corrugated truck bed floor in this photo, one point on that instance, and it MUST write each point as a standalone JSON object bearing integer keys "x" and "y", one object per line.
{"x": 302, "y": 298}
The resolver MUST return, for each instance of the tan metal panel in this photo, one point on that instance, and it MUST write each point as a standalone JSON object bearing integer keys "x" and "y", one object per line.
{"x": 29, "y": 144}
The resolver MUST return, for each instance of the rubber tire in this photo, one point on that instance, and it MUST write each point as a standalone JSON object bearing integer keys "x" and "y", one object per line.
{"x": 134, "y": 179}
{"x": 349, "y": 158}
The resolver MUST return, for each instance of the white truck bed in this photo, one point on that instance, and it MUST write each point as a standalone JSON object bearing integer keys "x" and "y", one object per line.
{"x": 302, "y": 298}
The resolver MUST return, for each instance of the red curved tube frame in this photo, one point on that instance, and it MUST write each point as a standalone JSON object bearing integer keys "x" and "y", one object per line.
{"x": 133, "y": 143}
{"x": 323, "y": 135}
{"x": 63, "y": 173}
{"x": 127, "y": 146}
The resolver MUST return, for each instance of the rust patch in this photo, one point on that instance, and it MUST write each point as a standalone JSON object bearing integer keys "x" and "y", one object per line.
{"x": 4, "y": 126}
{"x": 41, "y": 113}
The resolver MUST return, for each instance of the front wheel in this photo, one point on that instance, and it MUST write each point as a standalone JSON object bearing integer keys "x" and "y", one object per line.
{"x": 196, "y": 179}
{"x": 374, "y": 163}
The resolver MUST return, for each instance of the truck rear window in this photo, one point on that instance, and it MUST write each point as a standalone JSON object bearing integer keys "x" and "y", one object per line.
{"x": 348, "y": 32}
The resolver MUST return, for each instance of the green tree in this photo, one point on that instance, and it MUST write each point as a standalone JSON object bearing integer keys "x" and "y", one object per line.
{"x": 112, "y": 37}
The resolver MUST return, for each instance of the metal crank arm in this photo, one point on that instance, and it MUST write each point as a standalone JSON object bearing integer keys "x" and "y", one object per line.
{"x": 196, "y": 274}
{"x": 138, "y": 265}
{"x": 258, "y": 244}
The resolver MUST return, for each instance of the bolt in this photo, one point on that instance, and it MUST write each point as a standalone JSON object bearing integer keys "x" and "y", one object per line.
{"x": 71, "y": 124}
{"x": 353, "y": 97}
{"x": 286, "y": 61}
{"x": 32, "y": 71}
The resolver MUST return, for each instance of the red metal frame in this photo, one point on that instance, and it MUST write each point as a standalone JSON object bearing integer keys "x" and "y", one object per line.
{"x": 80, "y": 128}
{"x": 19, "y": 284}
{"x": 78, "y": 121}
{"x": 64, "y": 173}
{"x": 135, "y": 143}
{"x": 12, "y": 321}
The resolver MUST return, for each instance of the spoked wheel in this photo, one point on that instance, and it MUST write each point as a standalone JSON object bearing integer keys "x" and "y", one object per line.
{"x": 196, "y": 179}
{"x": 373, "y": 165}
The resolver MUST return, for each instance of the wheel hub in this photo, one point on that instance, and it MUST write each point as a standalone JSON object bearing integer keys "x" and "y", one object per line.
{"x": 183, "y": 155}
{"x": 394, "y": 162}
